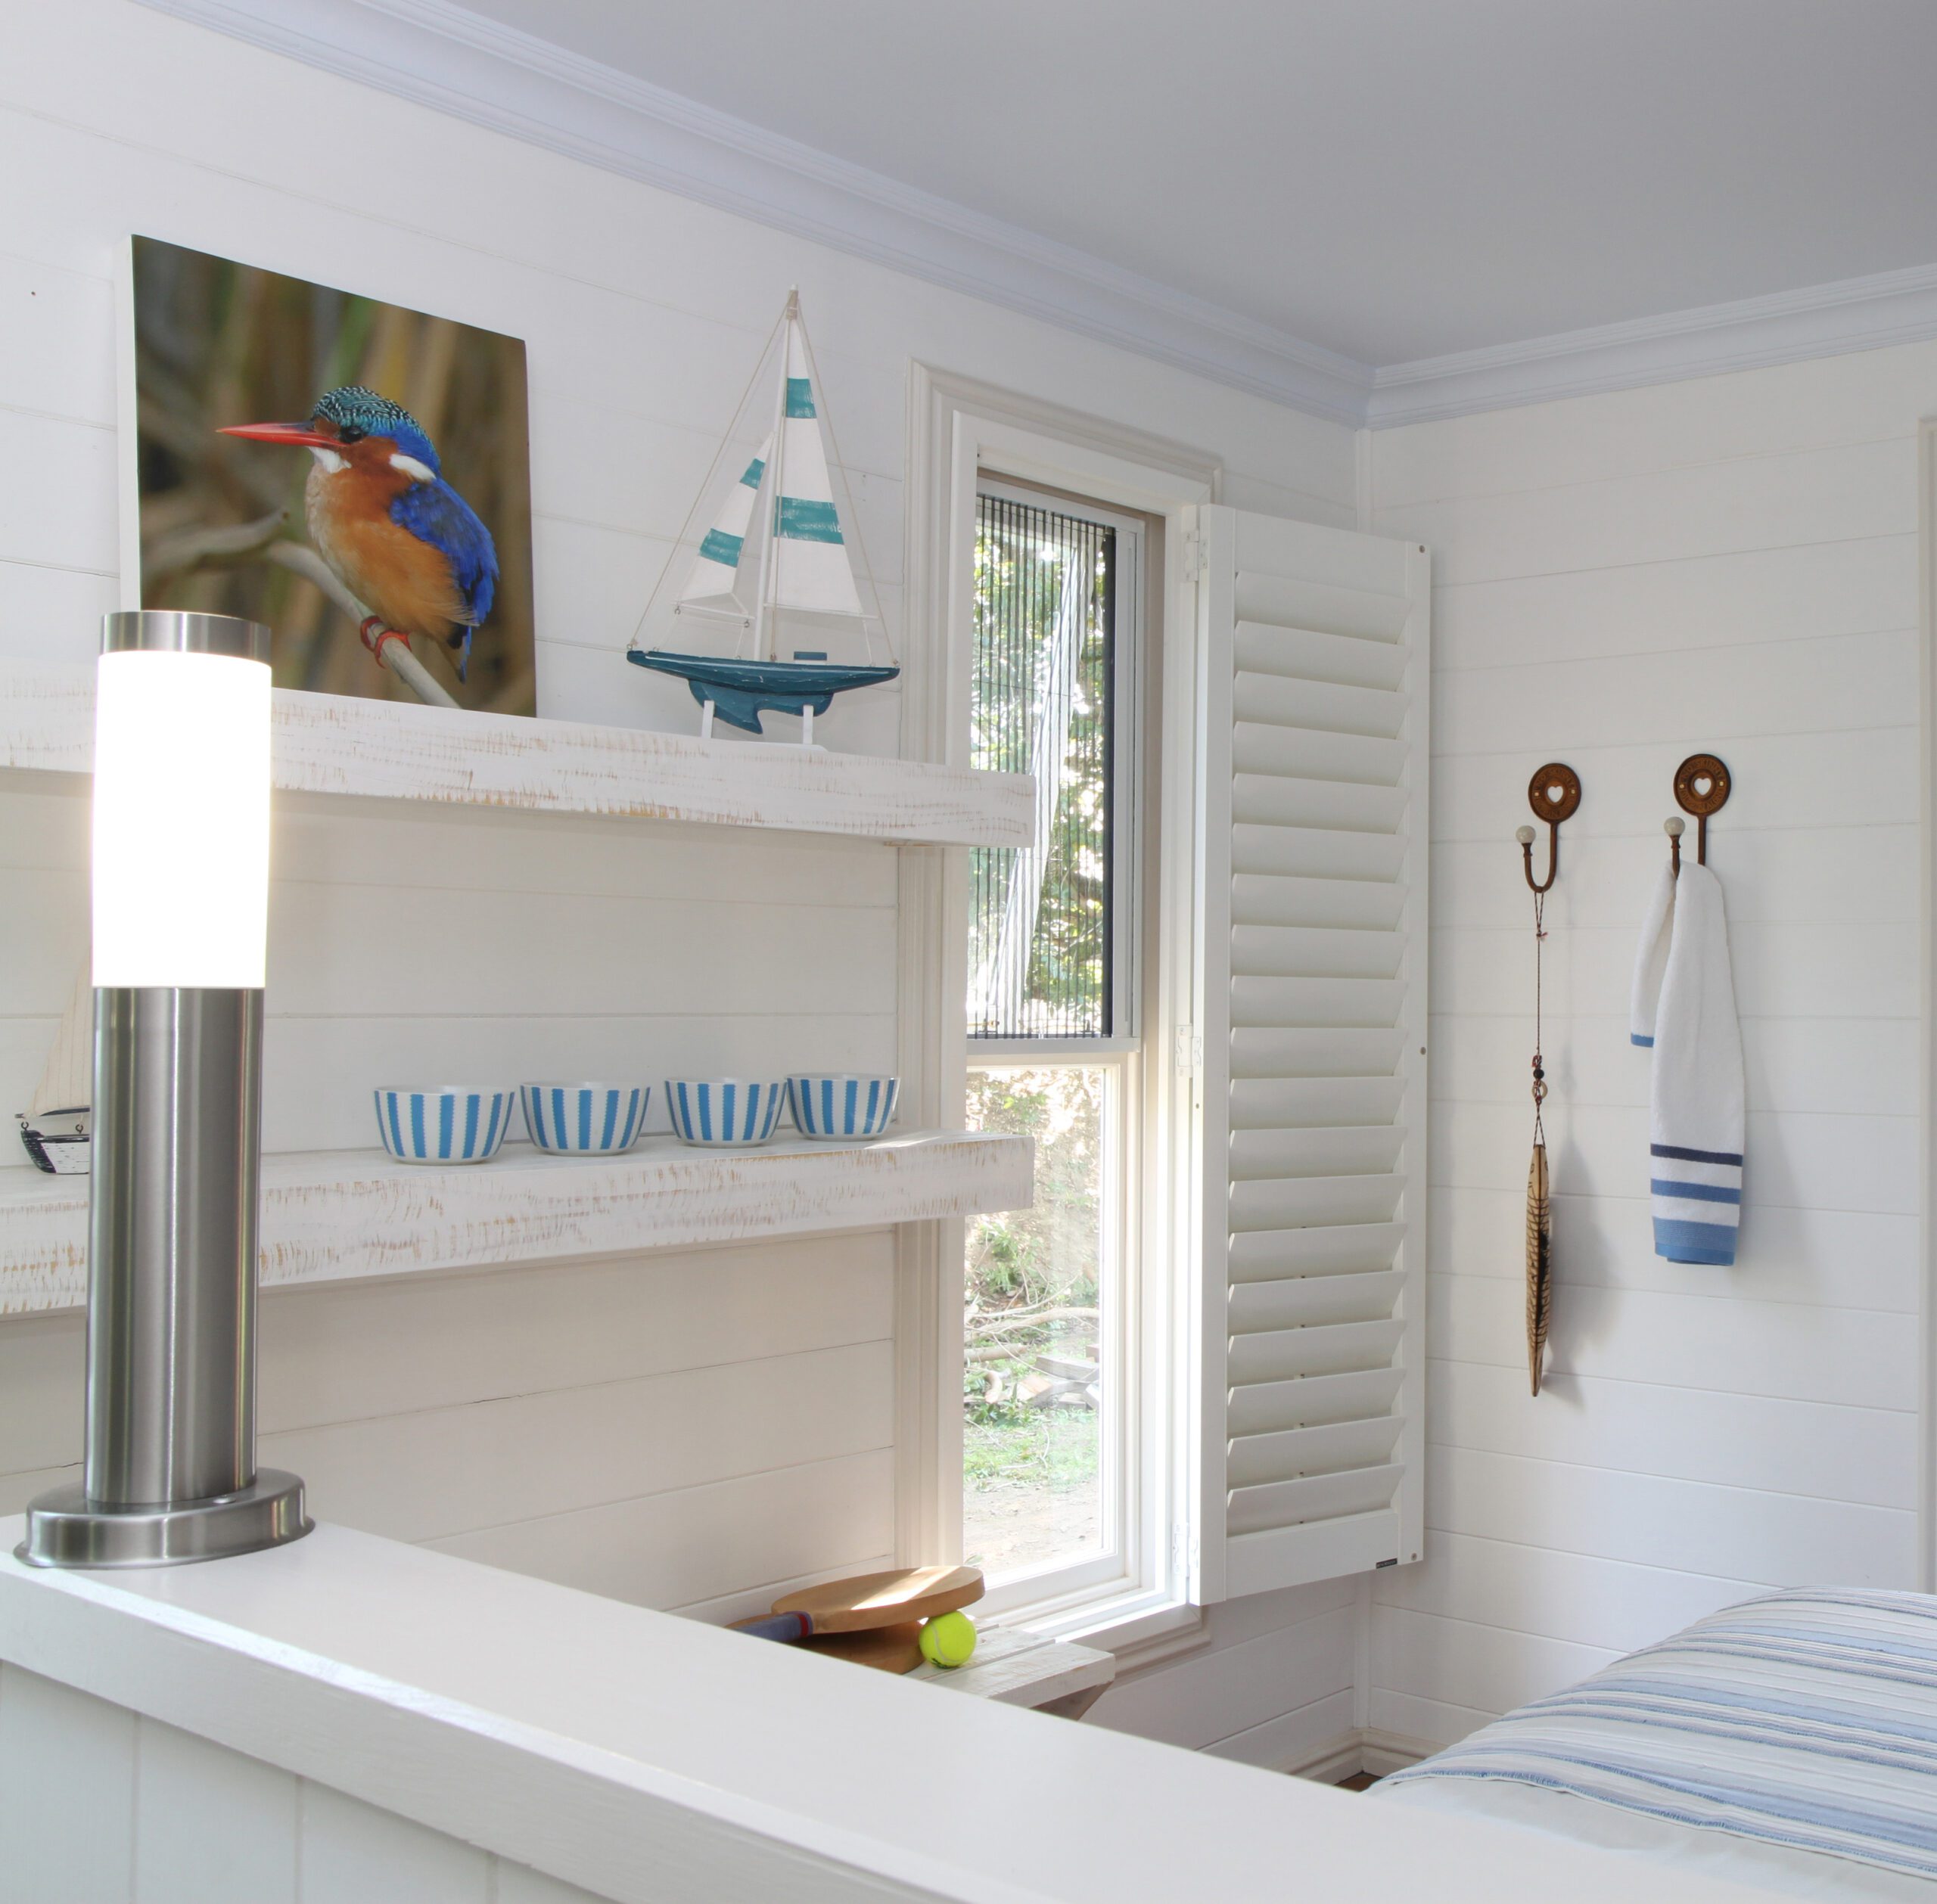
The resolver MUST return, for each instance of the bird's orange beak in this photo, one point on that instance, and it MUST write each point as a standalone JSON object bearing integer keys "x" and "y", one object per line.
{"x": 297, "y": 435}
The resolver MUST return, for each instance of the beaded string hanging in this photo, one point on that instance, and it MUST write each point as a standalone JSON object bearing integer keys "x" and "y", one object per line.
{"x": 1553, "y": 793}
{"x": 1540, "y": 1215}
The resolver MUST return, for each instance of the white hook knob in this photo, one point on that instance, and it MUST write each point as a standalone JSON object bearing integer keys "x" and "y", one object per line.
{"x": 1524, "y": 835}
{"x": 1674, "y": 829}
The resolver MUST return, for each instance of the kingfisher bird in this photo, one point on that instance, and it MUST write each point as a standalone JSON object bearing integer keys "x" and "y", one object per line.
{"x": 396, "y": 534}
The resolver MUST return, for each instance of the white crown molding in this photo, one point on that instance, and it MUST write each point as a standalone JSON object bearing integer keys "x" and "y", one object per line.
{"x": 440, "y": 55}
{"x": 1823, "y": 320}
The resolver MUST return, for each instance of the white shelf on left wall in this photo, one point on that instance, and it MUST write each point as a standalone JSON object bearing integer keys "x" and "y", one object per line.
{"x": 332, "y": 1216}
{"x": 387, "y": 750}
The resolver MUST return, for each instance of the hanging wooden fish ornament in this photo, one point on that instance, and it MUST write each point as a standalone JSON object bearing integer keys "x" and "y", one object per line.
{"x": 1540, "y": 1259}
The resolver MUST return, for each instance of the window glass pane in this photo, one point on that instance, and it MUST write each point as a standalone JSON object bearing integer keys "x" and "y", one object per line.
{"x": 1036, "y": 1299}
{"x": 1039, "y": 924}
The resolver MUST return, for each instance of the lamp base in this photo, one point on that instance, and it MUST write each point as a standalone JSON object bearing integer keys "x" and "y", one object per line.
{"x": 65, "y": 1529}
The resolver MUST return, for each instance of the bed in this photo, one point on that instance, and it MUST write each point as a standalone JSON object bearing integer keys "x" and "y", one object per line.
{"x": 1790, "y": 1743}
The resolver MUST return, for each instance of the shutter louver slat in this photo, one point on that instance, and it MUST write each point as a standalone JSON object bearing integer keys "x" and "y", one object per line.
{"x": 1314, "y": 920}
{"x": 1256, "y": 1459}
{"x": 1312, "y": 1104}
{"x": 1353, "y": 905}
{"x": 1318, "y": 1249}
{"x": 1355, "y": 758}
{"x": 1279, "y": 1203}
{"x": 1329, "y": 1151}
{"x": 1307, "y": 852}
{"x": 1314, "y": 952}
{"x": 1298, "y": 1302}
{"x": 1305, "y": 654}
{"x": 1312, "y": 1497}
{"x": 1337, "y": 805}
{"x": 1268, "y": 1408}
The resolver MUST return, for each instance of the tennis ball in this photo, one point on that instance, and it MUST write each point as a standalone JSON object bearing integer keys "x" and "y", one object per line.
{"x": 948, "y": 1639}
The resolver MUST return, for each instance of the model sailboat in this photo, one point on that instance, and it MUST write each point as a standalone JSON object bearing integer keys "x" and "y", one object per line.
{"x": 775, "y": 556}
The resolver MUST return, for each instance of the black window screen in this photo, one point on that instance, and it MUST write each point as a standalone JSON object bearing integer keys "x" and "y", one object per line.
{"x": 1039, "y": 920}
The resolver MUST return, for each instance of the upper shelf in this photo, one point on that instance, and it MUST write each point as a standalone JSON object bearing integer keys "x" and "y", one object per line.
{"x": 330, "y": 743}
{"x": 328, "y": 1216}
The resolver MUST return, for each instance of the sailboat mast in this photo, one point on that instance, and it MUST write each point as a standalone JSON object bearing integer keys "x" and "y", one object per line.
{"x": 764, "y": 614}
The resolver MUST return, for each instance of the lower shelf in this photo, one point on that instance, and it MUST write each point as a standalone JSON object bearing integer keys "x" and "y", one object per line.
{"x": 331, "y": 1216}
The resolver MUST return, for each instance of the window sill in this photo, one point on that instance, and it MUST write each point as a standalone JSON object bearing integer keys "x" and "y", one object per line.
{"x": 1140, "y": 1625}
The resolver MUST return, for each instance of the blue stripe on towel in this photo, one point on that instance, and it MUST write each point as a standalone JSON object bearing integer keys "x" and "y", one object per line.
{"x": 1635, "y": 1038}
{"x": 1699, "y": 1193}
{"x": 1687, "y": 1156}
{"x": 1685, "y": 1242}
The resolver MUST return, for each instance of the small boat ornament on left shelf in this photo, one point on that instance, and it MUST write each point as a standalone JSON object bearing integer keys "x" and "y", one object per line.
{"x": 776, "y": 556}
{"x": 57, "y": 1128}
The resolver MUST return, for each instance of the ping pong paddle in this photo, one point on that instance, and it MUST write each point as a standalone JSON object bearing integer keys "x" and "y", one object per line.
{"x": 901, "y": 1596}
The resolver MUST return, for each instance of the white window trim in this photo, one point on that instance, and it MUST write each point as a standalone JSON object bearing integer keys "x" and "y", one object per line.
{"x": 960, "y": 429}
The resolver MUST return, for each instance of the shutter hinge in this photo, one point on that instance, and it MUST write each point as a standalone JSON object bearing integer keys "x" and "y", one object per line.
{"x": 1189, "y": 1050}
{"x": 1193, "y": 554}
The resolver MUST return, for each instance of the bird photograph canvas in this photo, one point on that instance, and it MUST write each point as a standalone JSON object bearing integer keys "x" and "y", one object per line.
{"x": 354, "y": 473}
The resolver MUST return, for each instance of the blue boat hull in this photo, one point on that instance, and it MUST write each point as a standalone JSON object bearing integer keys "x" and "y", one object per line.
{"x": 740, "y": 691}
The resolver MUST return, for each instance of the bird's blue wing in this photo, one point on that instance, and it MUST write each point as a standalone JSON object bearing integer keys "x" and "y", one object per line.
{"x": 434, "y": 513}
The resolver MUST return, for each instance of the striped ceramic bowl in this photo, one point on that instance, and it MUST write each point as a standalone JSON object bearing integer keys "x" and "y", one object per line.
{"x": 585, "y": 1120}
{"x": 451, "y": 1124}
{"x": 843, "y": 1107}
{"x": 736, "y": 1111}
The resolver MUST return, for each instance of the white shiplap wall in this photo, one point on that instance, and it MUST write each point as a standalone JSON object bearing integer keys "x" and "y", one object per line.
{"x": 677, "y": 1429}
{"x": 1729, "y": 565}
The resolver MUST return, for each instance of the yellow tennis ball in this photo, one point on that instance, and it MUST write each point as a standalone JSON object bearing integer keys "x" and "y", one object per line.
{"x": 948, "y": 1639}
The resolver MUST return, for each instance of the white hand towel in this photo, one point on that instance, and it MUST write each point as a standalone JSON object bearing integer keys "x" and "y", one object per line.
{"x": 1684, "y": 1004}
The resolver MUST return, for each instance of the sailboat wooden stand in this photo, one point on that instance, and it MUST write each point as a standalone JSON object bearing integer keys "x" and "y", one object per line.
{"x": 777, "y": 553}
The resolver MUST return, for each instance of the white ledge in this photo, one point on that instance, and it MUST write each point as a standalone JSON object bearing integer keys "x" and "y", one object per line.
{"x": 646, "y": 1757}
{"x": 332, "y": 1214}
{"x": 333, "y": 744}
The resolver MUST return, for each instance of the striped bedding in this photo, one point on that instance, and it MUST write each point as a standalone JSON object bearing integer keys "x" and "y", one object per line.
{"x": 1790, "y": 1742}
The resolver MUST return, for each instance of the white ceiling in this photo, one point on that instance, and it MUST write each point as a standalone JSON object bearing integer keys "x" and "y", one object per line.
{"x": 1394, "y": 179}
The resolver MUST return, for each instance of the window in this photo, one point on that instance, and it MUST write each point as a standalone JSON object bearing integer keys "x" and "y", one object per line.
{"x": 1052, "y": 1502}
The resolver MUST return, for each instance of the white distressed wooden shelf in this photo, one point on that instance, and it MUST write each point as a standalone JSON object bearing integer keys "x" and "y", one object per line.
{"x": 330, "y": 743}
{"x": 330, "y": 1216}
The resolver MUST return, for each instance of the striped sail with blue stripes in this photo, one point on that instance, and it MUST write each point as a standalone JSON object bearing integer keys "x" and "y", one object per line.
{"x": 811, "y": 570}
{"x": 717, "y": 572}
{"x": 1806, "y": 1720}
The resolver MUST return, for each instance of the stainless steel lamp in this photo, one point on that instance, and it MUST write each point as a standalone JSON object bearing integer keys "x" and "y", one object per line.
{"x": 181, "y": 903}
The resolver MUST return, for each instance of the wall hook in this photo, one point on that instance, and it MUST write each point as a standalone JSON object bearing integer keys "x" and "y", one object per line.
{"x": 1554, "y": 793}
{"x": 1701, "y": 787}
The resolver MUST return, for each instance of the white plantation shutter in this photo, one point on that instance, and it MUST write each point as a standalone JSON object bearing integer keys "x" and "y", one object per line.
{"x": 1311, "y": 1003}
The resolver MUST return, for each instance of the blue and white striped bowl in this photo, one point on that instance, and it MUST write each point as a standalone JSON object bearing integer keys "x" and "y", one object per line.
{"x": 453, "y": 1124}
{"x": 724, "y": 1111}
{"x": 585, "y": 1120}
{"x": 842, "y": 1106}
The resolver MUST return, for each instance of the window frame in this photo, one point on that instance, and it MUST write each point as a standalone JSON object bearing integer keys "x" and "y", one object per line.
{"x": 964, "y": 434}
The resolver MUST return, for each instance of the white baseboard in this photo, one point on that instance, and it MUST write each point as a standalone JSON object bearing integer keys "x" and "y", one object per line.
{"x": 1384, "y": 1753}
{"x": 1366, "y": 1749}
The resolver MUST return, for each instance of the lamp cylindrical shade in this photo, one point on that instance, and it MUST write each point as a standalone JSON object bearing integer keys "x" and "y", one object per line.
{"x": 182, "y": 802}
{"x": 181, "y": 885}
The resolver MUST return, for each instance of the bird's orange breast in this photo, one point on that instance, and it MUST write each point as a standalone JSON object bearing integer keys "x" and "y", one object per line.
{"x": 406, "y": 582}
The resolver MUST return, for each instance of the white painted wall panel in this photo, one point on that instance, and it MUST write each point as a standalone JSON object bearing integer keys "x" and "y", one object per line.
{"x": 699, "y": 1429}
{"x": 1730, "y": 566}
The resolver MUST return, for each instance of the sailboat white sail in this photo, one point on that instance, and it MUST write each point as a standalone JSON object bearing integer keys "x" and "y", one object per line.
{"x": 716, "y": 571}
{"x": 811, "y": 569}
{"x": 778, "y": 547}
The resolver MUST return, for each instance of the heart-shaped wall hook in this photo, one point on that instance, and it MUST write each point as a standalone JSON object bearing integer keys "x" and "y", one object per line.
{"x": 1701, "y": 787}
{"x": 1554, "y": 794}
